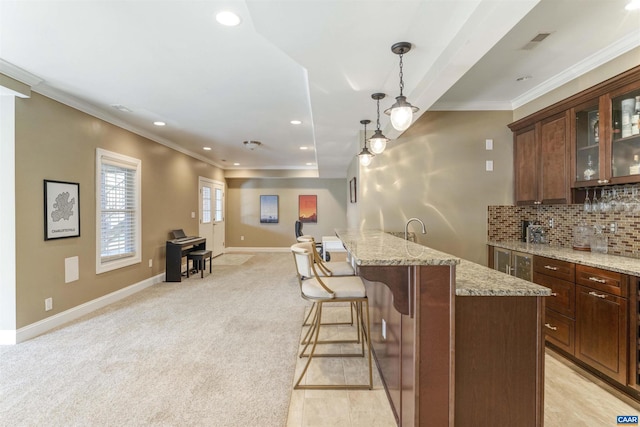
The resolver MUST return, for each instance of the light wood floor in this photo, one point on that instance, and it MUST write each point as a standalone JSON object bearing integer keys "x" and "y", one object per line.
{"x": 572, "y": 396}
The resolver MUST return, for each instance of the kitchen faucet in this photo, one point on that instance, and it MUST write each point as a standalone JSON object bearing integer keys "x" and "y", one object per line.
{"x": 406, "y": 227}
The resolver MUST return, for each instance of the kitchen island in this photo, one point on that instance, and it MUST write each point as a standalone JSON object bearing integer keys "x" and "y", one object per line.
{"x": 456, "y": 343}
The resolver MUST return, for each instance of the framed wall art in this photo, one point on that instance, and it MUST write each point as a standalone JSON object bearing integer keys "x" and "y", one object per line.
{"x": 308, "y": 208}
{"x": 61, "y": 209}
{"x": 268, "y": 209}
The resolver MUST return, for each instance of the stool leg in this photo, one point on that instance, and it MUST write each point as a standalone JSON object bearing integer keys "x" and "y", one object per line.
{"x": 210, "y": 265}
{"x": 202, "y": 267}
{"x": 187, "y": 267}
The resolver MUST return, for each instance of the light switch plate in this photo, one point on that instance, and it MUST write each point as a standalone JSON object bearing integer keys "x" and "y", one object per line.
{"x": 489, "y": 165}
{"x": 488, "y": 144}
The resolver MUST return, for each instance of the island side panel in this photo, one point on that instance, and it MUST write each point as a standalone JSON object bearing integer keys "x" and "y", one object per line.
{"x": 499, "y": 361}
{"x": 434, "y": 303}
{"x": 386, "y": 347}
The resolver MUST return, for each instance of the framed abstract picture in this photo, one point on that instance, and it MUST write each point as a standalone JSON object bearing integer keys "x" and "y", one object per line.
{"x": 308, "y": 208}
{"x": 268, "y": 209}
{"x": 61, "y": 209}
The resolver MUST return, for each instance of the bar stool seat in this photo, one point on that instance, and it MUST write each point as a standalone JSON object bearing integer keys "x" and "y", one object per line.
{"x": 201, "y": 258}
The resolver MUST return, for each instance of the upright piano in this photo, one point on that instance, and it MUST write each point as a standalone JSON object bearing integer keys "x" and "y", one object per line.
{"x": 176, "y": 249}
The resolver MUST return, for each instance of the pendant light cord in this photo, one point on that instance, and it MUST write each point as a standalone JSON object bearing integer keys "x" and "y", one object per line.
{"x": 401, "y": 75}
{"x": 378, "y": 120}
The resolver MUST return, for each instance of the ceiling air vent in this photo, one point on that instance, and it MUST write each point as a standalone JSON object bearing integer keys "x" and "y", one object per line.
{"x": 534, "y": 42}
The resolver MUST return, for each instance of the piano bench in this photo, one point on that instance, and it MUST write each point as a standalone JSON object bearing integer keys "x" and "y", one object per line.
{"x": 201, "y": 258}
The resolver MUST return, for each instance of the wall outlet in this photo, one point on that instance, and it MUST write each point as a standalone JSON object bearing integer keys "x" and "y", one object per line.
{"x": 384, "y": 329}
{"x": 488, "y": 144}
{"x": 150, "y": 262}
{"x": 48, "y": 304}
{"x": 489, "y": 165}
{"x": 193, "y": 214}
{"x": 551, "y": 223}
{"x": 241, "y": 237}
{"x": 613, "y": 227}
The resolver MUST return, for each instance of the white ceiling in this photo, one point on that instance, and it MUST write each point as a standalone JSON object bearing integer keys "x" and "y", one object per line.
{"x": 317, "y": 61}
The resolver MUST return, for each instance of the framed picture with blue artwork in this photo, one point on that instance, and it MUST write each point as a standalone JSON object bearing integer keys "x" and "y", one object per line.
{"x": 61, "y": 209}
{"x": 268, "y": 209}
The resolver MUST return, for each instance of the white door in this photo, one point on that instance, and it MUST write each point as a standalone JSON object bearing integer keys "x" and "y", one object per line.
{"x": 211, "y": 202}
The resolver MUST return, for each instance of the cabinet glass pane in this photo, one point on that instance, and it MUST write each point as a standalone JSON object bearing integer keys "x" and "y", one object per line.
{"x": 625, "y": 134}
{"x": 502, "y": 258}
{"x": 523, "y": 266}
{"x": 587, "y": 143}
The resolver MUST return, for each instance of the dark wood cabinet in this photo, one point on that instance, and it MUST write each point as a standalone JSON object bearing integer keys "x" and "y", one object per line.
{"x": 542, "y": 162}
{"x": 561, "y": 311}
{"x": 525, "y": 167}
{"x": 601, "y": 332}
{"x": 585, "y": 140}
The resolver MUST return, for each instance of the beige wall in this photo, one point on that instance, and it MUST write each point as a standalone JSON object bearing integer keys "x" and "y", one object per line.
{"x": 57, "y": 142}
{"x": 436, "y": 171}
{"x": 243, "y": 210}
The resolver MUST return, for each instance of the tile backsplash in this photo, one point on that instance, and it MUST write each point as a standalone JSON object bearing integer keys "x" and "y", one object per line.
{"x": 505, "y": 225}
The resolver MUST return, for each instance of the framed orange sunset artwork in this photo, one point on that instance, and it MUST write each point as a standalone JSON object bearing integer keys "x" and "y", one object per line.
{"x": 308, "y": 208}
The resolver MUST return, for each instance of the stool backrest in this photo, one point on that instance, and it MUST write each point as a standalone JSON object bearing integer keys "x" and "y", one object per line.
{"x": 303, "y": 257}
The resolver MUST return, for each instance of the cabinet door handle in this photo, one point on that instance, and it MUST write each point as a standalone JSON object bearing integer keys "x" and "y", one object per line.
{"x": 554, "y": 294}
{"x": 550, "y": 267}
{"x": 553, "y": 328}
{"x": 595, "y": 294}
{"x": 595, "y": 279}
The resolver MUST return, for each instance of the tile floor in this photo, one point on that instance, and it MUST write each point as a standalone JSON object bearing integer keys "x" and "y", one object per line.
{"x": 572, "y": 396}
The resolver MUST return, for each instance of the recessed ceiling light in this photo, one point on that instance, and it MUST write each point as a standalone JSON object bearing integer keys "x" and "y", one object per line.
{"x": 158, "y": 123}
{"x": 633, "y": 5}
{"x": 236, "y": 164}
{"x": 309, "y": 164}
{"x": 206, "y": 148}
{"x": 295, "y": 122}
{"x": 304, "y": 148}
{"x": 227, "y": 18}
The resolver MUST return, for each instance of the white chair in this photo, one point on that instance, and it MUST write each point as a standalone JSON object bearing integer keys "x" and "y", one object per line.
{"x": 328, "y": 268}
{"x": 329, "y": 290}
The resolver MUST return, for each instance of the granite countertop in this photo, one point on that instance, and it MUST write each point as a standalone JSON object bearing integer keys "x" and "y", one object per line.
{"x": 374, "y": 247}
{"x": 616, "y": 263}
{"x": 377, "y": 248}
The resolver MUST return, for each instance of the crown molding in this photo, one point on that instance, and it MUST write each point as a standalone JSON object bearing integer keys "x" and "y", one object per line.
{"x": 19, "y": 74}
{"x": 99, "y": 113}
{"x": 472, "y": 106}
{"x": 623, "y": 45}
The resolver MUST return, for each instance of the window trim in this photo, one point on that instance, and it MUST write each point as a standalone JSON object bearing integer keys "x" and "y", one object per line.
{"x": 105, "y": 156}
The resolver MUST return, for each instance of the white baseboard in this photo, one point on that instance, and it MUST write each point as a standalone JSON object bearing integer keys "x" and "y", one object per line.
{"x": 8, "y": 337}
{"x": 258, "y": 249}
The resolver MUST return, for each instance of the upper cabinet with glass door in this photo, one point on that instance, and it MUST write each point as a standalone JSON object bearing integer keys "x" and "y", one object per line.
{"x": 625, "y": 135}
{"x": 607, "y": 138}
{"x": 588, "y": 144}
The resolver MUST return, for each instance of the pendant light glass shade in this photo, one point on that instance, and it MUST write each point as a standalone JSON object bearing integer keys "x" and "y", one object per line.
{"x": 401, "y": 114}
{"x": 365, "y": 155}
{"x": 402, "y": 111}
{"x": 378, "y": 141}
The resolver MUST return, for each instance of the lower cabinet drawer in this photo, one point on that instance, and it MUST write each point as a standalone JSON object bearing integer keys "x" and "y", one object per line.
{"x": 560, "y": 331}
{"x": 563, "y": 296}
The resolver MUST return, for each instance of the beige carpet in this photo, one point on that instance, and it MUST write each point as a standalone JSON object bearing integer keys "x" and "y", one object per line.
{"x": 218, "y": 351}
{"x": 231, "y": 259}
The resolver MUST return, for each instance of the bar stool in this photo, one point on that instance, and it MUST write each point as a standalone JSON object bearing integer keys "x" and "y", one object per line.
{"x": 199, "y": 258}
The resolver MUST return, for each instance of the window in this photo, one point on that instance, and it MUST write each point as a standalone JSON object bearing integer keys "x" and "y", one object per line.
{"x": 206, "y": 205}
{"x": 218, "y": 204}
{"x": 118, "y": 213}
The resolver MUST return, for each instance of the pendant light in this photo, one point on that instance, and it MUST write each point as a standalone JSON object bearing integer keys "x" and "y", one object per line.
{"x": 378, "y": 141}
{"x": 401, "y": 112}
{"x": 365, "y": 155}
